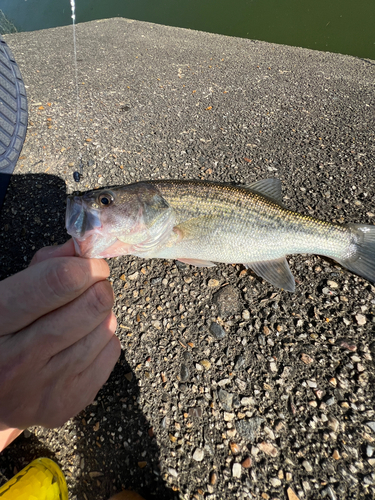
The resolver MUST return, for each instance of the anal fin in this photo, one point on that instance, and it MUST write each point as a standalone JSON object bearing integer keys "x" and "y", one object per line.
{"x": 197, "y": 262}
{"x": 276, "y": 272}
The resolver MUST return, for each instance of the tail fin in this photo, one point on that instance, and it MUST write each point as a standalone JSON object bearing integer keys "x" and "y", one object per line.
{"x": 361, "y": 252}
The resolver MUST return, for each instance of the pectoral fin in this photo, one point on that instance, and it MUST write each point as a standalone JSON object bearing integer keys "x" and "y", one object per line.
{"x": 277, "y": 272}
{"x": 197, "y": 262}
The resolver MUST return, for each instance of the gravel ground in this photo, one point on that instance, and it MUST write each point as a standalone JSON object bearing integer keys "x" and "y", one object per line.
{"x": 226, "y": 386}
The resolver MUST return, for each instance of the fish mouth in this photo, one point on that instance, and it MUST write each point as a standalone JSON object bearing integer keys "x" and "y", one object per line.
{"x": 81, "y": 222}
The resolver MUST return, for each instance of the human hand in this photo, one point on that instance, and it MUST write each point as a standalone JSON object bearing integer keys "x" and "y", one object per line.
{"x": 57, "y": 342}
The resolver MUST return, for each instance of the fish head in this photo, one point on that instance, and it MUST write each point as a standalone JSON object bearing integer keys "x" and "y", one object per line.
{"x": 126, "y": 220}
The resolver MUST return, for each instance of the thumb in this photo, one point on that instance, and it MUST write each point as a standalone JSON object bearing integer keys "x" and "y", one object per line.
{"x": 65, "y": 250}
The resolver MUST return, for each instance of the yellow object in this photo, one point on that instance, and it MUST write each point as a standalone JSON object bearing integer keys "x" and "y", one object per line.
{"x": 40, "y": 480}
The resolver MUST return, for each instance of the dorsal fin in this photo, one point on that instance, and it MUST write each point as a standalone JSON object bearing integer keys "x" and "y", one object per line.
{"x": 268, "y": 187}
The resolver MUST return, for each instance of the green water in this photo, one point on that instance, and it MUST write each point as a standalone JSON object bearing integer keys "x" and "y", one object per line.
{"x": 346, "y": 26}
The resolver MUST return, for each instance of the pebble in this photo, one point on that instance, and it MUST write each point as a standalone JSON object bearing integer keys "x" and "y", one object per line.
{"x": 361, "y": 320}
{"x": 241, "y": 384}
{"x": 369, "y": 451}
{"x": 212, "y": 283}
{"x": 273, "y": 367}
{"x": 328, "y": 491}
{"x": 95, "y": 474}
{"x": 217, "y": 331}
{"x": 225, "y": 398}
{"x": 231, "y": 433}
{"x": 247, "y": 401}
{"x": 319, "y": 393}
{"x": 223, "y": 382}
{"x": 307, "y": 466}
{"x": 248, "y": 428}
{"x": 332, "y": 284}
{"x": 155, "y": 281}
{"x": 184, "y": 373}
{"x": 133, "y": 276}
{"x": 369, "y": 479}
{"x": 291, "y": 494}
{"x": 213, "y": 478}
{"x": 246, "y": 464}
{"x": 269, "y": 433}
{"x": 268, "y": 449}
{"x": 306, "y": 359}
{"x": 236, "y": 470}
{"x": 306, "y": 486}
{"x": 206, "y": 364}
{"x": 195, "y": 412}
{"x": 240, "y": 361}
{"x": 371, "y": 425}
{"x": 275, "y": 482}
{"x": 173, "y": 472}
{"x": 227, "y": 300}
{"x": 235, "y": 448}
{"x": 246, "y": 314}
{"x": 336, "y": 455}
{"x": 228, "y": 417}
{"x": 333, "y": 381}
{"x": 333, "y": 423}
{"x": 198, "y": 454}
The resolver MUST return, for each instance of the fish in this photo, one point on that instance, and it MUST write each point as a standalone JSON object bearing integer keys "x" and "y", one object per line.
{"x": 202, "y": 223}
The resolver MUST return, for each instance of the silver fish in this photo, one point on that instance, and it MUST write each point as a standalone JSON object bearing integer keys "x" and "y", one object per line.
{"x": 201, "y": 222}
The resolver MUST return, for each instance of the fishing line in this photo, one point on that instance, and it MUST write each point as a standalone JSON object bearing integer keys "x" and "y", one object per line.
{"x": 77, "y": 174}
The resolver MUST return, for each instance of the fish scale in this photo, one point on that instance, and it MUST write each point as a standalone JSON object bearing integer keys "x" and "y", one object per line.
{"x": 202, "y": 222}
{"x": 238, "y": 225}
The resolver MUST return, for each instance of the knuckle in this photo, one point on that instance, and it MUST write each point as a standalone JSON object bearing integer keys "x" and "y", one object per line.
{"x": 116, "y": 345}
{"x": 100, "y": 298}
{"x": 65, "y": 277}
{"x": 38, "y": 256}
{"x": 112, "y": 327}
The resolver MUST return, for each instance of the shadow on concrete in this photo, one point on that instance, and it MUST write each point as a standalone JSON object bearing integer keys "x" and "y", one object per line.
{"x": 115, "y": 444}
{"x": 32, "y": 216}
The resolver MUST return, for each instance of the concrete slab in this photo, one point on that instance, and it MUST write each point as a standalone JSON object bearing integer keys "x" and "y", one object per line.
{"x": 162, "y": 102}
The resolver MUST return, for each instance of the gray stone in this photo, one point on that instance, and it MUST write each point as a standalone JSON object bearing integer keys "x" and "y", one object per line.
{"x": 247, "y": 428}
{"x": 217, "y": 331}
{"x": 227, "y": 300}
{"x": 240, "y": 361}
{"x": 225, "y": 398}
{"x": 184, "y": 373}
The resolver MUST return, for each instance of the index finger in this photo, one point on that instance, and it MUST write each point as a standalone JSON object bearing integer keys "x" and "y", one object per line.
{"x": 65, "y": 250}
{"x": 44, "y": 287}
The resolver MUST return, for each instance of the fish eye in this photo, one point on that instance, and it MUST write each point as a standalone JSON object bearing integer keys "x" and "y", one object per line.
{"x": 105, "y": 199}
